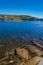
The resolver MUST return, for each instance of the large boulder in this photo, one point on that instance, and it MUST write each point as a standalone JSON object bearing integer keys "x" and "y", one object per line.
{"x": 22, "y": 53}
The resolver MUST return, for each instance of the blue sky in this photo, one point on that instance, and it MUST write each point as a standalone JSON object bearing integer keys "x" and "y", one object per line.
{"x": 22, "y": 7}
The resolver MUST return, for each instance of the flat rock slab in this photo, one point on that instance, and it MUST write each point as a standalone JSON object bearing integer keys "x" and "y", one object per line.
{"x": 35, "y": 61}
{"x": 41, "y": 62}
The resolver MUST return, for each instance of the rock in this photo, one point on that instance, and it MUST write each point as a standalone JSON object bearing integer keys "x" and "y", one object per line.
{"x": 20, "y": 63}
{"x": 35, "y": 61}
{"x": 22, "y": 53}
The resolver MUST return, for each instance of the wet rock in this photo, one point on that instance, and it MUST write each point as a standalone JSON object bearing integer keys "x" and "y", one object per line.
{"x": 33, "y": 61}
{"x": 22, "y": 53}
{"x": 20, "y": 63}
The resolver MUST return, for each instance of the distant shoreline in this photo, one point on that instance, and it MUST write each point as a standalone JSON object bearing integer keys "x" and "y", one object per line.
{"x": 19, "y": 18}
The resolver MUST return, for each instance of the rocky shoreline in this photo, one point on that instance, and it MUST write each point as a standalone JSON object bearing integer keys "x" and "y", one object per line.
{"x": 21, "y": 54}
{"x": 22, "y": 50}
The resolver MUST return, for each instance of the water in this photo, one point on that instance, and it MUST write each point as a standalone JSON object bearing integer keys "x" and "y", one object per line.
{"x": 29, "y": 28}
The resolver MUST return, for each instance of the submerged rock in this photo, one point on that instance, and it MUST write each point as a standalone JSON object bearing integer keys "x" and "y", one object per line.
{"x": 35, "y": 61}
{"x": 20, "y": 63}
{"x": 22, "y": 53}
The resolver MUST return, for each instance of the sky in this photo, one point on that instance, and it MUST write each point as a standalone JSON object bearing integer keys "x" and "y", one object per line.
{"x": 22, "y": 7}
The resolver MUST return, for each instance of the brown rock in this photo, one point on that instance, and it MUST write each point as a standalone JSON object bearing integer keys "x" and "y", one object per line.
{"x": 35, "y": 61}
{"x": 22, "y": 53}
{"x": 20, "y": 63}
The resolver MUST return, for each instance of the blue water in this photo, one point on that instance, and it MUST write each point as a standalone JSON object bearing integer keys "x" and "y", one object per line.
{"x": 31, "y": 28}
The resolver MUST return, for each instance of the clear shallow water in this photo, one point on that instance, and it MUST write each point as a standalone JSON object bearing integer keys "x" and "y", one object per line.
{"x": 31, "y": 28}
